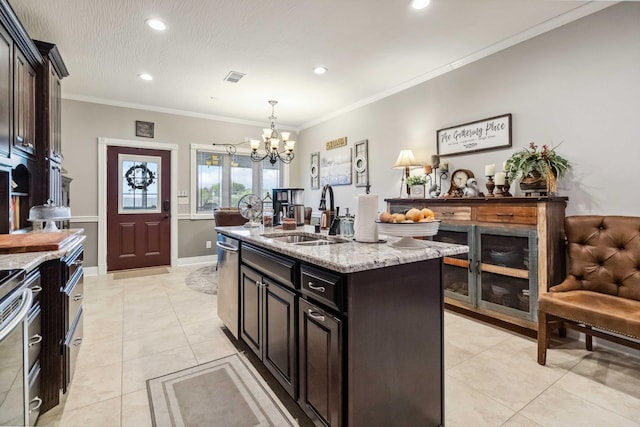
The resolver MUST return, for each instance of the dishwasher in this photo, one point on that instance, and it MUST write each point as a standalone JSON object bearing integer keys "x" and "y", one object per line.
{"x": 228, "y": 273}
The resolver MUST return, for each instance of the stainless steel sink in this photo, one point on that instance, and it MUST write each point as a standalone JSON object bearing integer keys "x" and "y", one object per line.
{"x": 319, "y": 242}
{"x": 296, "y": 238}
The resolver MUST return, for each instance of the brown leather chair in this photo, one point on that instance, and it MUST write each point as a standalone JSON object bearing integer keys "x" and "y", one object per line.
{"x": 228, "y": 216}
{"x": 601, "y": 293}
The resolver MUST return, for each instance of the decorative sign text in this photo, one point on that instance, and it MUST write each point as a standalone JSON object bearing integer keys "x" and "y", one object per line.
{"x": 481, "y": 135}
{"x": 340, "y": 142}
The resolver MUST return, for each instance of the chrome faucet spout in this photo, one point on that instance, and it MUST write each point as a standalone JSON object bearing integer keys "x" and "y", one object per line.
{"x": 323, "y": 203}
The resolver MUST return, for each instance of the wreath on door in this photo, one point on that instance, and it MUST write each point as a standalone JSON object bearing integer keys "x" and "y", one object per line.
{"x": 139, "y": 177}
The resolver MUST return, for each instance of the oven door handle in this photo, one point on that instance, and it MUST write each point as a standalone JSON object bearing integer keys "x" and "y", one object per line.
{"x": 18, "y": 315}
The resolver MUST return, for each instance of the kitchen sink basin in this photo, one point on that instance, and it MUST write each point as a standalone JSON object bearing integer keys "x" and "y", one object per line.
{"x": 296, "y": 238}
{"x": 319, "y": 242}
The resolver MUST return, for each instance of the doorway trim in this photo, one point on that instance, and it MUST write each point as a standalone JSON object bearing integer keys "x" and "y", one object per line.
{"x": 103, "y": 144}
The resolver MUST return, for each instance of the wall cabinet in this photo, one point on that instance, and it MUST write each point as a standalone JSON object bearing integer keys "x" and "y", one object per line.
{"x": 516, "y": 252}
{"x": 6, "y": 92}
{"x": 24, "y": 95}
{"x": 268, "y": 316}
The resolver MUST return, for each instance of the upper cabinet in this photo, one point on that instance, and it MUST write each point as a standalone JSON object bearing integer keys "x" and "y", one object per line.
{"x": 24, "y": 97}
{"x": 6, "y": 93}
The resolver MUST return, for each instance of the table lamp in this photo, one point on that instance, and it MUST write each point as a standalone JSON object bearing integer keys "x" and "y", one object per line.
{"x": 406, "y": 160}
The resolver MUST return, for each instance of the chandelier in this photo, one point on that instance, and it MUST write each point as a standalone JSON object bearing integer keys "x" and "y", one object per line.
{"x": 271, "y": 141}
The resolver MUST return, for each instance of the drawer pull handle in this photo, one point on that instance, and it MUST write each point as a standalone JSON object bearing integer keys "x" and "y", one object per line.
{"x": 35, "y": 340}
{"x": 38, "y": 403}
{"x": 470, "y": 264}
{"x": 315, "y": 315}
{"x": 448, "y": 213}
{"x": 260, "y": 284}
{"x": 504, "y": 213}
{"x": 316, "y": 288}
{"x": 77, "y": 262}
{"x": 77, "y": 297}
{"x": 36, "y": 289}
{"x": 77, "y": 341}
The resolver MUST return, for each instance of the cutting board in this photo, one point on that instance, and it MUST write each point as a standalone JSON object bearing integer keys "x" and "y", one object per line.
{"x": 34, "y": 242}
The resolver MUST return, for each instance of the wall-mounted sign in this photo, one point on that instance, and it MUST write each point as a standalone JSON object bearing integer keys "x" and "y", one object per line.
{"x": 481, "y": 135}
{"x": 340, "y": 142}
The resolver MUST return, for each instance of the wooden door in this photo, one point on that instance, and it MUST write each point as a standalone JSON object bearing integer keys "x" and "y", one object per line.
{"x": 138, "y": 208}
{"x": 251, "y": 309}
{"x": 279, "y": 335}
{"x": 320, "y": 355}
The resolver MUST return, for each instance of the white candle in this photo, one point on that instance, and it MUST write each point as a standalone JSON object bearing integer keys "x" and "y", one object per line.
{"x": 444, "y": 167}
{"x": 489, "y": 170}
{"x": 500, "y": 178}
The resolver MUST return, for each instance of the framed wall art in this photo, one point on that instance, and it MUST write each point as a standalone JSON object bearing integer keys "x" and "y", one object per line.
{"x": 314, "y": 171}
{"x": 481, "y": 135}
{"x": 144, "y": 129}
{"x": 335, "y": 167}
{"x": 361, "y": 163}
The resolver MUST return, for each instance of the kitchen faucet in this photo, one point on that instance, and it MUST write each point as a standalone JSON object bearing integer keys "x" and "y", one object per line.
{"x": 333, "y": 220}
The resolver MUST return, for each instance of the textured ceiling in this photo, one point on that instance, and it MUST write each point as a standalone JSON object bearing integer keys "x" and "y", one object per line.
{"x": 371, "y": 47}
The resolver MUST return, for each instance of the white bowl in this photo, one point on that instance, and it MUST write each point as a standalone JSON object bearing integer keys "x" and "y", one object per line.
{"x": 402, "y": 229}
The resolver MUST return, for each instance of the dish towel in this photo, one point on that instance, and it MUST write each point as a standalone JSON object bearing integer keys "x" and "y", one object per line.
{"x": 365, "y": 227}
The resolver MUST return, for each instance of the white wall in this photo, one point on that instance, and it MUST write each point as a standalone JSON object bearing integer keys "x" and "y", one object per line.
{"x": 577, "y": 86}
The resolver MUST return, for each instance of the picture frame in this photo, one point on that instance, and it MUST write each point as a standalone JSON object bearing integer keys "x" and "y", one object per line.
{"x": 314, "y": 171}
{"x": 481, "y": 135}
{"x": 361, "y": 163}
{"x": 144, "y": 129}
{"x": 335, "y": 168}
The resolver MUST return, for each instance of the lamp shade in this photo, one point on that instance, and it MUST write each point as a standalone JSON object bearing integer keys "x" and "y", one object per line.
{"x": 405, "y": 159}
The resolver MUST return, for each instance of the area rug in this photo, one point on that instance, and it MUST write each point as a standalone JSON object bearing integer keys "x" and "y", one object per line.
{"x": 226, "y": 392}
{"x": 139, "y": 272}
{"x": 204, "y": 279}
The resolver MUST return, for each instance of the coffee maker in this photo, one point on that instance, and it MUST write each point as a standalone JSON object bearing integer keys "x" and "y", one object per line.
{"x": 287, "y": 203}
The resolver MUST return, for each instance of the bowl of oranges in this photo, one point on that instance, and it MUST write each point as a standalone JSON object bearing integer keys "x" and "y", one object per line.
{"x": 413, "y": 223}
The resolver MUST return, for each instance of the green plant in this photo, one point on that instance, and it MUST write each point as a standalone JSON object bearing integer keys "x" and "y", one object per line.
{"x": 524, "y": 163}
{"x": 416, "y": 180}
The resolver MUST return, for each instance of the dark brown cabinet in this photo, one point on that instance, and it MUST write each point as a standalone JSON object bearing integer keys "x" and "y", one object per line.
{"x": 6, "y": 92}
{"x": 267, "y": 324}
{"x": 320, "y": 361}
{"x": 24, "y": 95}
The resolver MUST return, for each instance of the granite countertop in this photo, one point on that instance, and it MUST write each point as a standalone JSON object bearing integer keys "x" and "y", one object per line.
{"x": 30, "y": 260}
{"x": 345, "y": 257}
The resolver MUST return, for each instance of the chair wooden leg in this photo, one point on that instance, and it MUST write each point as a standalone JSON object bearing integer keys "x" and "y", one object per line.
{"x": 543, "y": 337}
{"x": 588, "y": 339}
{"x": 562, "y": 331}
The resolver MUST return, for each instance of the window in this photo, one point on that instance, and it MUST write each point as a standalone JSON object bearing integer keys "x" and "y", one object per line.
{"x": 220, "y": 180}
{"x": 139, "y": 184}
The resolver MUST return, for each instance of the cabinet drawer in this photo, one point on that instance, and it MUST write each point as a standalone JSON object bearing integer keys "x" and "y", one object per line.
{"x": 74, "y": 292}
{"x": 276, "y": 267}
{"x": 35, "y": 335}
{"x": 35, "y": 393}
{"x": 457, "y": 213}
{"x": 34, "y": 283}
{"x": 74, "y": 262}
{"x": 72, "y": 345}
{"x": 322, "y": 286}
{"x": 507, "y": 214}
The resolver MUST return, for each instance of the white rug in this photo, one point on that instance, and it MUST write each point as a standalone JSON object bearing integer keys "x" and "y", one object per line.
{"x": 204, "y": 279}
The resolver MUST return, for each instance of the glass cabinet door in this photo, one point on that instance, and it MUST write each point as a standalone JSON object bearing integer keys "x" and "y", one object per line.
{"x": 457, "y": 277}
{"x": 507, "y": 271}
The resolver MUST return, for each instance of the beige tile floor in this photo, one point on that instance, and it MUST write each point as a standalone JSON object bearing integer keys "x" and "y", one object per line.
{"x": 140, "y": 328}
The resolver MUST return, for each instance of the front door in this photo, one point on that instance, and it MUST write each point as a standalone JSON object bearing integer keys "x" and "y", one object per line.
{"x": 138, "y": 208}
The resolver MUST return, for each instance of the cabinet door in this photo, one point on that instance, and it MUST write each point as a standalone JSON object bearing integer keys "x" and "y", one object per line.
{"x": 251, "y": 309}
{"x": 6, "y": 98}
{"x": 24, "y": 101}
{"x": 507, "y": 271}
{"x": 55, "y": 108}
{"x": 279, "y": 335}
{"x": 55, "y": 183}
{"x": 458, "y": 277}
{"x": 320, "y": 353}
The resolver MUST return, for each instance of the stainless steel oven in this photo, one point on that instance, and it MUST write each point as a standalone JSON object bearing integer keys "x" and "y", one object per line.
{"x": 14, "y": 310}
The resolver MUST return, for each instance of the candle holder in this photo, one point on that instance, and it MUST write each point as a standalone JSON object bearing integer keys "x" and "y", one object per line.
{"x": 505, "y": 188}
{"x": 436, "y": 181}
{"x": 490, "y": 186}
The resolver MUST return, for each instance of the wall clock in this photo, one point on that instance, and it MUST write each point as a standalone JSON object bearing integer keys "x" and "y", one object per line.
{"x": 459, "y": 179}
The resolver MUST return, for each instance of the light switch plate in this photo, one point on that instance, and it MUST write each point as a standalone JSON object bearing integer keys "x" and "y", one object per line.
{"x": 183, "y": 200}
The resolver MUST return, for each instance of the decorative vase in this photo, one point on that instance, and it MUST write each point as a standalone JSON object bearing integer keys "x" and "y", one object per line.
{"x": 416, "y": 191}
{"x": 536, "y": 183}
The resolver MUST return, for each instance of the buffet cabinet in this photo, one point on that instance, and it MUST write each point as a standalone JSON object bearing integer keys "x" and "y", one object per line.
{"x": 516, "y": 252}
{"x": 344, "y": 345}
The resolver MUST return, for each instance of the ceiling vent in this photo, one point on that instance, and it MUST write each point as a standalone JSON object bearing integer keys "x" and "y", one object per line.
{"x": 234, "y": 76}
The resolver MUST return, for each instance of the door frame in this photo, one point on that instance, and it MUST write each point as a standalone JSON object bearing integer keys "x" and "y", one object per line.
{"x": 103, "y": 144}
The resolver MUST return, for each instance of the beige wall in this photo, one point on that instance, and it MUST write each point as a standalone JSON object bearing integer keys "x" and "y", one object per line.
{"x": 577, "y": 86}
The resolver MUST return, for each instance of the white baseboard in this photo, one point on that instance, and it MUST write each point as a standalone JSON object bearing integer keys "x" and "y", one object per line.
{"x": 91, "y": 271}
{"x": 205, "y": 259}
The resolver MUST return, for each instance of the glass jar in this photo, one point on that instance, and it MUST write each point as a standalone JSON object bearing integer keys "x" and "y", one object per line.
{"x": 267, "y": 217}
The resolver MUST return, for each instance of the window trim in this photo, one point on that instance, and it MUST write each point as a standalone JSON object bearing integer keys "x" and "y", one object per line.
{"x": 218, "y": 149}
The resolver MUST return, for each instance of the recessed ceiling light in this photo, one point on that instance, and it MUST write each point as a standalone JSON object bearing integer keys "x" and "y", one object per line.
{"x": 420, "y": 4}
{"x": 320, "y": 70}
{"x": 156, "y": 24}
{"x": 145, "y": 76}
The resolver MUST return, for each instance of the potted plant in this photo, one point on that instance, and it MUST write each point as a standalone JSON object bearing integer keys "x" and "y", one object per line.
{"x": 538, "y": 170}
{"x": 416, "y": 186}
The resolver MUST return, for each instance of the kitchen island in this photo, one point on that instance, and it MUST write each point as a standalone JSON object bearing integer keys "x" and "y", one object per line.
{"x": 352, "y": 331}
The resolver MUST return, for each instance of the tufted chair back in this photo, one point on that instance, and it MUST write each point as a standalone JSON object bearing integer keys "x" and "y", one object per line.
{"x": 228, "y": 216}
{"x": 604, "y": 253}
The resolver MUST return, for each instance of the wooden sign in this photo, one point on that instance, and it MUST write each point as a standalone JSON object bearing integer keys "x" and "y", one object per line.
{"x": 340, "y": 142}
{"x": 481, "y": 135}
